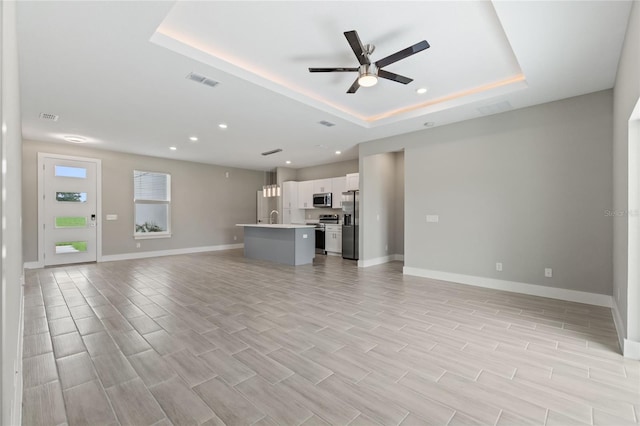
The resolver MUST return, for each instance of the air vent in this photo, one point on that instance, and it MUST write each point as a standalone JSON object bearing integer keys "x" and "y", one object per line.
{"x": 47, "y": 116}
{"x": 275, "y": 151}
{"x": 495, "y": 108}
{"x": 201, "y": 79}
{"x": 326, "y": 123}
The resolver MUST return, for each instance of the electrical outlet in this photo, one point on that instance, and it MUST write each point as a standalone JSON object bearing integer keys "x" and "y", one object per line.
{"x": 548, "y": 272}
{"x": 137, "y": 245}
{"x": 499, "y": 266}
{"x": 226, "y": 174}
{"x": 433, "y": 218}
{"x": 305, "y": 236}
{"x": 235, "y": 238}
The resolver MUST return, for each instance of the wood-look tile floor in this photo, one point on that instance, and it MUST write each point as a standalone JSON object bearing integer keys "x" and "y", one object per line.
{"x": 214, "y": 338}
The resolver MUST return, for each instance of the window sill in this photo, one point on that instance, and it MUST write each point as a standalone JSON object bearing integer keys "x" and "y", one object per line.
{"x": 151, "y": 235}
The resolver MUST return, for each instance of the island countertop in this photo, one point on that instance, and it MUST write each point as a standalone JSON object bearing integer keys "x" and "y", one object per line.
{"x": 275, "y": 225}
{"x": 280, "y": 242}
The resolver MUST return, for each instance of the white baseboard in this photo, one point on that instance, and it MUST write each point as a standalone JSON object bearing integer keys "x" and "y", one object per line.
{"x": 33, "y": 265}
{"x": 513, "y": 286}
{"x": 617, "y": 321}
{"x": 173, "y": 252}
{"x": 379, "y": 260}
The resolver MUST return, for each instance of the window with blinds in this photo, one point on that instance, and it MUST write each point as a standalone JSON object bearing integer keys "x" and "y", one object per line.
{"x": 152, "y": 202}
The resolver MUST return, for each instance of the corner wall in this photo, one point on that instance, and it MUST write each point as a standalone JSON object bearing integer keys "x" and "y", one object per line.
{"x": 528, "y": 188}
{"x": 205, "y": 204}
{"x": 381, "y": 208}
{"x": 11, "y": 296}
{"x": 626, "y": 94}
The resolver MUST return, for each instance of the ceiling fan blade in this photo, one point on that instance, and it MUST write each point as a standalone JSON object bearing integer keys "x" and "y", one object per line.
{"x": 332, "y": 69}
{"x": 356, "y": 46}
{"x": 354, "y": 87}
{"x": 394, "y": 77}
{"x": 404, "y": 53}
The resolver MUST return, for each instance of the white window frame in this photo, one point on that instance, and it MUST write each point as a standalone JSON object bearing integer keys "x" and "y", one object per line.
{"x": 167, "y": 202}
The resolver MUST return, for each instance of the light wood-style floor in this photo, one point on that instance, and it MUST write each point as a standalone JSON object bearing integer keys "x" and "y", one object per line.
{"x": 215, "y": 339}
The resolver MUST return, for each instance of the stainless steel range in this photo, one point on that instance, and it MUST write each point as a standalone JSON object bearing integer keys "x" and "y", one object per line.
{"x": 323, "y": 220}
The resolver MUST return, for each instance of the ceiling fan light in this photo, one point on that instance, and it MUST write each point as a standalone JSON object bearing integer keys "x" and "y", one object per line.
{"x": 368, "y": 80}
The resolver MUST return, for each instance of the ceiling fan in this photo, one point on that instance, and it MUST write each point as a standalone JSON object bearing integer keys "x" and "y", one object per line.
{"x": 369, "y": 72}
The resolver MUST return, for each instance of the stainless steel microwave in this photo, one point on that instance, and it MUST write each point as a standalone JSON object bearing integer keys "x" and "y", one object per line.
{"x": 322, "y": 200}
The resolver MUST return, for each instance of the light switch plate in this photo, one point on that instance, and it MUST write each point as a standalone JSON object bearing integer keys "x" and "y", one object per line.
{"x": 433, "y": 218}
{"x": 548, "y": 272}
{"x": 112, "y": 217}
{"x": 305, "y": 236}
{"x": 499, "y": 266}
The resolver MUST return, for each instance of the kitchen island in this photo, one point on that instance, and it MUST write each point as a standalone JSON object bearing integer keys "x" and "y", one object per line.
{"x": 281, "y": 243}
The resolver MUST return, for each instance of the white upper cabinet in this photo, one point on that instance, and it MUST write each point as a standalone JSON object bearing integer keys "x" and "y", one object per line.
{"x": 290, "y": 195}
{"x": 338, "y": 186}
{"x": 321, "y": 185}
{"x": 353, "y": 181}
{"x": 305, "y": 194}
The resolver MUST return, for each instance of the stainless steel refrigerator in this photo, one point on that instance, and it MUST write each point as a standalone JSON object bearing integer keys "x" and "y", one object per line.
{"x": 350, "y": 212}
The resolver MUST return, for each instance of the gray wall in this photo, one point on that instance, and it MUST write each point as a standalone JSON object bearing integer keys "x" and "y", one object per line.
{"x": 626, "y": 94}
{"x": 327, "y": 170}
{"x": 378, "y": 222}
{"x": 11, "y": 301}
{"x": 204, "y": 210}
{"x": 527, "y": 188}
{"x": 398, "y": 231}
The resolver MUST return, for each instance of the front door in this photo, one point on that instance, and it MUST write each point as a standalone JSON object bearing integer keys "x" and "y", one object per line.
{"x": 69, "y": 219}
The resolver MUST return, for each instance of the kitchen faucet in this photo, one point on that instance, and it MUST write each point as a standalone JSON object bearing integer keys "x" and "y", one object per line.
{"x": 272, "y": 212}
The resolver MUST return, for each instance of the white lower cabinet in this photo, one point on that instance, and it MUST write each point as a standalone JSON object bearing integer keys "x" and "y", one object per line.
{"x": 333, "y": 239}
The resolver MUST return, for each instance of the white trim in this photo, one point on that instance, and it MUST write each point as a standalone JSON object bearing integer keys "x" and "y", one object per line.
{"x": 172, "y": 252}
{"x": 617, "y": 321}
{"x": 98, "y": 162}
{"x": 513, "y": 286}
{"x": 16, "y": 409}
{"x": 631, "y": 349}
{"x": 380, "y": 260}
{"x": 34, "y": 265}
{"x": 152, "y": 236}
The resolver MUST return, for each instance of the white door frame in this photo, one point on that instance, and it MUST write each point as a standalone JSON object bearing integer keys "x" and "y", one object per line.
{"x": 631, "y": 343}
{"x": 41, "y": 213}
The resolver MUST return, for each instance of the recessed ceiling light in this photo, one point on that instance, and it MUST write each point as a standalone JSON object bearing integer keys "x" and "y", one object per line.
{"x": 421, "y": 90}
{"x": 338, "y": 152}
{"x": 193, "y": 138}
{"x": 75, "y": 139}
{"x": 222, "y": 125}
{"x": 172, "y": 148}
{"x": 288, "y": 162}
{"x": 429, "y": 124}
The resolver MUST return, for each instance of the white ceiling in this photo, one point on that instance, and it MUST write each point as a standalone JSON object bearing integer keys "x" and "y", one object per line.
{"x": 115, "y": 71}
